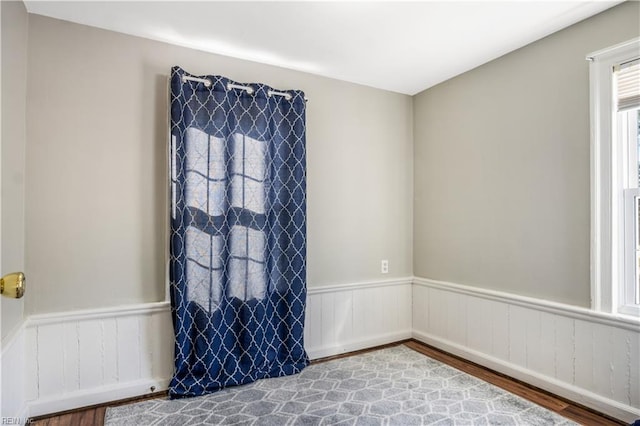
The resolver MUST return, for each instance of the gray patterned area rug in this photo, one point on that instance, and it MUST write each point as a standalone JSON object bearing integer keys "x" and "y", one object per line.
{"x": 394, "y": 386}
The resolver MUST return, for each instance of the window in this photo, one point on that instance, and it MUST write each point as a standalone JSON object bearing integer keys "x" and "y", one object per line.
{"x": 205, "y": 164}
{"x": 629, "y": 135}
{"x": 615, "y": 177}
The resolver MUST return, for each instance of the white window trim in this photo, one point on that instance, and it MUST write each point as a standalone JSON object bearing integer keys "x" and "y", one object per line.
{"x": 607, "y": 220}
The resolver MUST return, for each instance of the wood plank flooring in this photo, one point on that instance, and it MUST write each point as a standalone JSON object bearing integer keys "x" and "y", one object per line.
{"x": 88, "y": 416}
{"x": 94, "y": 416}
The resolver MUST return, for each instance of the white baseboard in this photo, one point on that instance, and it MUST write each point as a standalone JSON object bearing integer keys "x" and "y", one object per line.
{"x": 589, "y": 359}
{"x": 573, "y": 393}
{"x": 357, "y": 345}
{"x": 85, "y": 398}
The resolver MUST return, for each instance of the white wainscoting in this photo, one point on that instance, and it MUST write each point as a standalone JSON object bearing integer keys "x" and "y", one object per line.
{"x": 88, "y": 357}
{"x": 74, "y": 359}
{"x": 588, "y": 357}
{"x": 12, "y": 363}
{"x": 350, "y": 317}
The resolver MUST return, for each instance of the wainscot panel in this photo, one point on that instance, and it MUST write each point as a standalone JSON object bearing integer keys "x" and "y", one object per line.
{"x": 588, "y": 357}
{"x": 82, "y": 358}
{"x": 14, "y": 367}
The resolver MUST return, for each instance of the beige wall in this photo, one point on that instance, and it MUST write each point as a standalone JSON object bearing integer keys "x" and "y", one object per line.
{"x": 501, "y": 159}
{"x": 502, "y": 167}
{"x": 14, "y": 89}
{"x": 96, "y": 181}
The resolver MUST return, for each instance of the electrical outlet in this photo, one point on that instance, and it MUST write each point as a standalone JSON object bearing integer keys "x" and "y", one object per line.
{"x": 384, "y": 266}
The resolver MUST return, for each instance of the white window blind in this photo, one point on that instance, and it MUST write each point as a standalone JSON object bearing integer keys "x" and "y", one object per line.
{"x": 628, "y": 85}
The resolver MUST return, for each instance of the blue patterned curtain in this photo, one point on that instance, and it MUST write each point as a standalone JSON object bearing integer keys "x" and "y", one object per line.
{"x": 238, "y": 233}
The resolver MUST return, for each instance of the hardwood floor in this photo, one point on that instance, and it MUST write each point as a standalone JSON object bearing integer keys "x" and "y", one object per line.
{"x": 94, "y": 416}
{"x": 88, "y": 416}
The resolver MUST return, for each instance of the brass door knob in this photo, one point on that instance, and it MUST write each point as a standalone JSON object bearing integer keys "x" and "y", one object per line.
{"x": 12, "y": 285}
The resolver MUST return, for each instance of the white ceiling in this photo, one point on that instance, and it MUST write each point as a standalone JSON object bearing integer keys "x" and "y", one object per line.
{"x": 404, "y": 47}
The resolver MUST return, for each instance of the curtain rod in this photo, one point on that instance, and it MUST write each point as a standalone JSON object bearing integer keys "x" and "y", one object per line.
{"x": 248, "y": 89}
